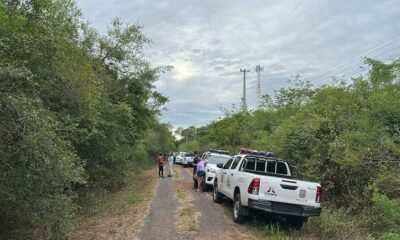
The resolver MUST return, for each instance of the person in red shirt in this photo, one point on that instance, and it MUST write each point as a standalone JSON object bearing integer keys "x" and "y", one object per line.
{"x": 160, "y": 162}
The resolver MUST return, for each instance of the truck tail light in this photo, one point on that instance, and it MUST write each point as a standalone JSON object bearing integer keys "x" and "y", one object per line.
{"x": 319, "y": 195}
{"x": 254, "y": 186}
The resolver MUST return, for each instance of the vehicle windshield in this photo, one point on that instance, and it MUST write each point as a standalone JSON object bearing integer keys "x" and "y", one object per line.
{"x": 218, "y": 159}
{"x": 189, "y": 155}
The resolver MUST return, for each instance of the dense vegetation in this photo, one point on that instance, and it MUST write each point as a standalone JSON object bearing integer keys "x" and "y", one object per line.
{"x": 346, "y": 136}
{"x": 78, "y": 114}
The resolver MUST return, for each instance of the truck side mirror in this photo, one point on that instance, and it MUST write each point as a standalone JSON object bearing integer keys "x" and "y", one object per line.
{"x": 220, "y": 165}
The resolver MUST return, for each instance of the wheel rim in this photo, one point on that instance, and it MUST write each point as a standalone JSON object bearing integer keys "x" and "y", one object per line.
{"x": 236, "y": 208}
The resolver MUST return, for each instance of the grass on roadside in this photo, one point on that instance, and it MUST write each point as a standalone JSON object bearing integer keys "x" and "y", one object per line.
{"x": 139, "y": 189}
{"x": 330, "y": 225}
{"x": 188, "y": 218}
{"x": 270, "y": 231}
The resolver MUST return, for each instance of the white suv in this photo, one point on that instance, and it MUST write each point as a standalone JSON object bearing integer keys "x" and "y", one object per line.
{"x": 211, "y": 168}
{"x": 188, "y": 159}
{"x": 179, "y": 157}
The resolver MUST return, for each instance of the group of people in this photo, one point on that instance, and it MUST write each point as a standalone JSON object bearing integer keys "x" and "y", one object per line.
{"x": 161, "y": 163}
{"x": 198, "y": 168}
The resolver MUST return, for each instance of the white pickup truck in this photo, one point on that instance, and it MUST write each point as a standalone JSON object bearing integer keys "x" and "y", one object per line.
{"x": 266, "y": 184}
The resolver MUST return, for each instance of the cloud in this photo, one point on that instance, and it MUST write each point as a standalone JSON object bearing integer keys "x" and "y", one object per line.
{"x": 208, "y": 41}
{"x": 184, "y": 70}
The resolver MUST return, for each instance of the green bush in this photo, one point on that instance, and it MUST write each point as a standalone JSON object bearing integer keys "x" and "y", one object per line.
{"x": 334, "y": 225}
{"x": 38, "y": 169}
{"x": 385, "y": 212}
{"x": 390, "y": 236}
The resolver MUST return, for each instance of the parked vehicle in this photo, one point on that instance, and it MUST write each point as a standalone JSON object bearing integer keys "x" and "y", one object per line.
{"x": 187, "y": 159}
{"x": 211, "y": 168}
{"x": 267, "y": 184}
{"x": 179, "y": 157}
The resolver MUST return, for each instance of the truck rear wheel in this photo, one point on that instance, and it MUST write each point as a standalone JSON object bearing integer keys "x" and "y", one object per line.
{"x": 239, "y": 211}
{"x": 296, "y": 222}
{"x": 217, "y": 196}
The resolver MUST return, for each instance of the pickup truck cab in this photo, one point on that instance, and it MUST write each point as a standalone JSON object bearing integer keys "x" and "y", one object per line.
{"x": 266, "y": 184}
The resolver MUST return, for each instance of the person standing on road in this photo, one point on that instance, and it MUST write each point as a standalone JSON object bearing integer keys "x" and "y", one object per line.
{"x": 160, "y": 162}
{"x": 195, "y": 183}
{"x": 170, "y": 163}
{"x": 200, "y": 173}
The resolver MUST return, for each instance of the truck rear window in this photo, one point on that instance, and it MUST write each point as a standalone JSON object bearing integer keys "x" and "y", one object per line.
{"x": 281, "y": 168}
{"x": 260, "y": 165}
{"x": 271, "y": 166}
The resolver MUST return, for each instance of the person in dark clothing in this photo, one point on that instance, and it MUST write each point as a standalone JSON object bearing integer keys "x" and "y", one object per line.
{"x": 160, "y": 162}
{"x": 195, "y": 182}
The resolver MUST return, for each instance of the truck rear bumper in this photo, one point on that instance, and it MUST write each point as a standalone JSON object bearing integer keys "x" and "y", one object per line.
{"x": 284, "y": 208}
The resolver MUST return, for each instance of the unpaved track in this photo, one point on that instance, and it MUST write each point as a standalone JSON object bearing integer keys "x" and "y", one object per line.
{"x": 161, "y": 221}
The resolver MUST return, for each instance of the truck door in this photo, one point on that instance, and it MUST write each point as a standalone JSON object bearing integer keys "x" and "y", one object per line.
{"x": 230, "y": 177}
{"x": 222, "y": 174}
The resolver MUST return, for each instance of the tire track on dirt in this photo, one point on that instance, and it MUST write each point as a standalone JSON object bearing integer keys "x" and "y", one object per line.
{"x": 173, "y": 195}
{"x": 213, "y": 222}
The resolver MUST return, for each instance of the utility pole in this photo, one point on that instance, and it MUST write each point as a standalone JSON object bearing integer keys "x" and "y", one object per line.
{"x": 244, "y": 71}
{"x": 259, "y": 69}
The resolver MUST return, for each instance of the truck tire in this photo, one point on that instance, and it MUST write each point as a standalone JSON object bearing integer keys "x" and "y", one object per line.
{"x": 205, "y": 186}
{"x": 217, "y": 196}
{"x": 239, "y": 211}
{"x": 296, "y": 222}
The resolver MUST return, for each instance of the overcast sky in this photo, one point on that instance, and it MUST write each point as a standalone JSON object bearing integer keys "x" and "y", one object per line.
{"x": 209, "y": 41}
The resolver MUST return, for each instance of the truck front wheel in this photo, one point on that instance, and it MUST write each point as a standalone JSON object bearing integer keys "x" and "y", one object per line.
{"x": 239, "y": 211}
{"x": 217, "y": 196}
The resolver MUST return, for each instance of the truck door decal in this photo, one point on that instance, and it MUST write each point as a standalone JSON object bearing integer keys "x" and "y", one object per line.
{"x": 271, "y": 192}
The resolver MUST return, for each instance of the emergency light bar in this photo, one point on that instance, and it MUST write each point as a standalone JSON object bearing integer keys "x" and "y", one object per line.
{"x": 255, "y": 152}
{"x": 218, "y": 151}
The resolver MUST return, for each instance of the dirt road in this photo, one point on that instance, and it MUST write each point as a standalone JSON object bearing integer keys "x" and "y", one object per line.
{"x": 179, "y": 212}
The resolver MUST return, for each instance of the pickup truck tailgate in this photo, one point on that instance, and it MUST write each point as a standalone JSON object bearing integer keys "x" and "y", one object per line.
{"x": 288, "y": 191}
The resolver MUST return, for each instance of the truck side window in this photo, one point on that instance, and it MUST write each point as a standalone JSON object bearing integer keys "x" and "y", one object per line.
{"x": 228, "y": 164}
{"x": 260, "y": 166}
{"x": 294, "y": 172}
{"x": 281, "y": 168}
{"x": 271, "y": 166}
{"x": 251, "y": 164}
{"x": 235, "y": 162}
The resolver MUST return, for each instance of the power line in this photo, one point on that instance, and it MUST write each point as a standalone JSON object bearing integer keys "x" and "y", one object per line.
{"x": 357, "y": 65}
{"x": 281, "y": 24}
{"x": 358, "y": 71}
{"x": 330, "y": 69}
{"x": 258, "y": 67}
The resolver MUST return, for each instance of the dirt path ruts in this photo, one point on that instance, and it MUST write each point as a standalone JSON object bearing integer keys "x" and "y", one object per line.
{"x": 161, "y": 221}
